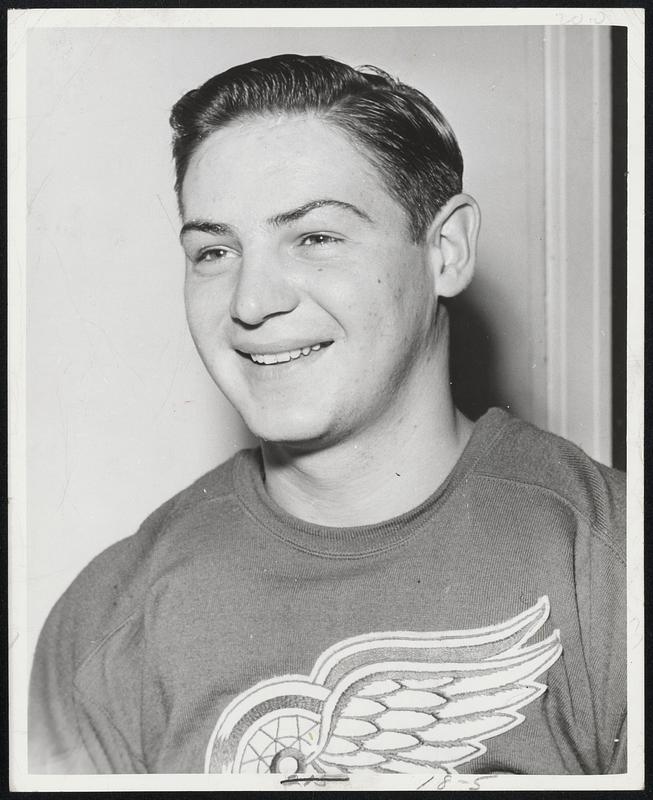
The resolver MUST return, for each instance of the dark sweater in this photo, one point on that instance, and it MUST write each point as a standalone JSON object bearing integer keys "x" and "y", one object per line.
{"x": 221, "y": 590}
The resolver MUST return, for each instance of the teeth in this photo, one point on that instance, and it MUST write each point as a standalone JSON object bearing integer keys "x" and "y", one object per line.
{"x": 280, "y": 358}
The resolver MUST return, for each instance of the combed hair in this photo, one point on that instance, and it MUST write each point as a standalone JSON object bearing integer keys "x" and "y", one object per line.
{"x": 397, "y": 128}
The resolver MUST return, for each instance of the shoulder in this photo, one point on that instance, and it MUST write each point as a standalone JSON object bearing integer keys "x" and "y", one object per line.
{"x": 523, "y": 456}
{"x": 112, "y": 586}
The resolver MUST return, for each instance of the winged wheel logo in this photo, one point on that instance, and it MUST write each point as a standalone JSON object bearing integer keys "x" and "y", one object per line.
{"x": 389, "y": 702}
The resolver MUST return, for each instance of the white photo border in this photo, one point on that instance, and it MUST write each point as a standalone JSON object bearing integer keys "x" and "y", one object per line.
{"x": 20, "y": 22}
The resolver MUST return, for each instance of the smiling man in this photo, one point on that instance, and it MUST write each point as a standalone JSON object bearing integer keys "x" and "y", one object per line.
{"x": 383, "y": 584}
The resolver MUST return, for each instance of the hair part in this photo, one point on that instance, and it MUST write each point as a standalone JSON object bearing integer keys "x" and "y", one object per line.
{"x": 397, "y": 128}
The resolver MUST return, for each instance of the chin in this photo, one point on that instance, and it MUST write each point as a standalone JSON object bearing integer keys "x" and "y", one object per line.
{"x": 304, "y": 431}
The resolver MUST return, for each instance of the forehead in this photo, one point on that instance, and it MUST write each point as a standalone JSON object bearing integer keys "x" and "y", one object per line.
{"x": 276, "y": 161}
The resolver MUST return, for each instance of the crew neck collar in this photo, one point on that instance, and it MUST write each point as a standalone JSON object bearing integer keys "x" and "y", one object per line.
{"x": 358, "y": 540}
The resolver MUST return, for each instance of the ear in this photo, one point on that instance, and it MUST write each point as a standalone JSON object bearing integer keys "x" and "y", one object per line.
{"x": 451, "y": 239}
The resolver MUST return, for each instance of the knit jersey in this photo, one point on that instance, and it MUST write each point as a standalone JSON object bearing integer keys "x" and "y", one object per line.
{"x": 483, "y": 631}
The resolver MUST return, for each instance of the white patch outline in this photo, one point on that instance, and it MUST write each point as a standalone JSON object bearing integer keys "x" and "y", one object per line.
{"x": 528, "y": 622}
{"x": 270, "y": 716}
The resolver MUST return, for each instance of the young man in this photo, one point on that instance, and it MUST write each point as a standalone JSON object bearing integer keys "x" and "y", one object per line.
{"x": 383, "y": 585}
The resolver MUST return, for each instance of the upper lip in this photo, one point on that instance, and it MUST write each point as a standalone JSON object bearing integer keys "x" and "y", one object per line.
{"x": 279, "y": 346}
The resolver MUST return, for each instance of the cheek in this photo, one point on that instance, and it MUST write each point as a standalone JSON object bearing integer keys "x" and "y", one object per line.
{"x": 401, "y": 307}
{"x": 207, "y": 304}
{"x": 359, "y": 306}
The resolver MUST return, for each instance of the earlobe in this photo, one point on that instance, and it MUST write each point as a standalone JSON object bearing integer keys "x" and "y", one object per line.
{"x": 452, "y": 238}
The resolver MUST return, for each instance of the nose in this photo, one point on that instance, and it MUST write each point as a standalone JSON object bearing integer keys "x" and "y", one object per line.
{"x": 262, "y": 290}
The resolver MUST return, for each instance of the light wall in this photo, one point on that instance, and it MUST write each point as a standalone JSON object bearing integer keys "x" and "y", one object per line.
{"x": 120, "y": 412}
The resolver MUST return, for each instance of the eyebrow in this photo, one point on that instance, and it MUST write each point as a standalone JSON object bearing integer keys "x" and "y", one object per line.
{"x": 206, "y": 226}
{"x": 297, "y": 213}
{"x": 284, "y": 218}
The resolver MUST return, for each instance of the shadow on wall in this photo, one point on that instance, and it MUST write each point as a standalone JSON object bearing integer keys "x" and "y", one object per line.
{"x": 473, "y": 358}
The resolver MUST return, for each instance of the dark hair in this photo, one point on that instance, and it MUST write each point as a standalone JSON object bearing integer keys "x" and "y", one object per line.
{"x": 401, "y": 132}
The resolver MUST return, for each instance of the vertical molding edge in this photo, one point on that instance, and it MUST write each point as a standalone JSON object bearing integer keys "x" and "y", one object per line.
{"x": 554, "y": 226}
{"x": 577, "y": 259}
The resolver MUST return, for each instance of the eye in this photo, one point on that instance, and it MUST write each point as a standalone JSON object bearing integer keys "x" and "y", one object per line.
{"x": 211, "y": 254}
{"x": 319, "y": 240}
{"x": 212, "y": 260}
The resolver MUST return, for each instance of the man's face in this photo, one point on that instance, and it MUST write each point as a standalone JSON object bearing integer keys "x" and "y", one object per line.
{"x": 310, "y": 306}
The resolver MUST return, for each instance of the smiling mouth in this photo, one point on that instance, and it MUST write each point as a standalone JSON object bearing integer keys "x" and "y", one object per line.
{"x": 267, "y": 359}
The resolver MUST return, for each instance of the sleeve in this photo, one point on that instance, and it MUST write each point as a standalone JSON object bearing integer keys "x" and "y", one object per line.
{"x": 55, "y": 743}
{"x": 85, "y": 685}
{"x": 71, "y": 730}
{"x": 607, "y": 650}
{"x": 619, "y": 761}
{"x": 603, "y": 588}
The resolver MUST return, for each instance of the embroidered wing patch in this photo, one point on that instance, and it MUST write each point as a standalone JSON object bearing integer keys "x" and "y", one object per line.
{"x": 389, "y": 702}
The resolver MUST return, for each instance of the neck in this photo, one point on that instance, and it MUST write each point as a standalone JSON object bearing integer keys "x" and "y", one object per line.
{"x": 385, "y": 471}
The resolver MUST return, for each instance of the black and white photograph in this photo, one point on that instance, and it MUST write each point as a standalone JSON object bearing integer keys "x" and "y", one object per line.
{"x": 325, "y": 399}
